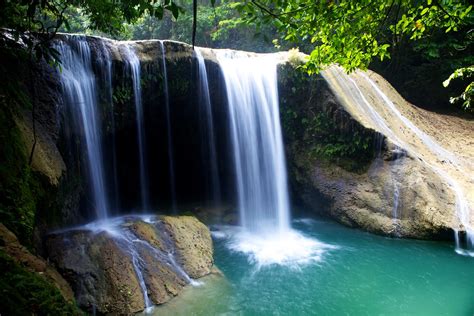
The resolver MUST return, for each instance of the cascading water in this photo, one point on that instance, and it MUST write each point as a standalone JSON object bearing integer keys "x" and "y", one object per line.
{"x": 257, "y": 141}
{"x": 378, "y": 164}
{"x": 208, "y": 137}
{"x": 105, "y": 61}
{"x": 81, "y": 97}
{"x": 259, "y": 163}
{"x": 133, "y": 63}
{"x": 118, "y": 229}
{"x": 168, "y": 127}
{"x": 434, "y": 154}
{"x": 80, "y": 94}
{"x": 462, "y": 207}
{"x": 398, "y": 155}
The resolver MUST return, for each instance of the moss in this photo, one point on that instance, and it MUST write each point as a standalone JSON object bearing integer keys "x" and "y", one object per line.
{"x": 19, "y": 187}
{"x": 323, "y": 130}
{"x": 27, "y": 293}
{"x": 23, "y": 192}
{"x": 350, "y": 147}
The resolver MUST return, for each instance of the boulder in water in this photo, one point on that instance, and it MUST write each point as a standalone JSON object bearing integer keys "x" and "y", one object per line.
{"x": 127, "y": 264}
{"x": 193, "y": 244}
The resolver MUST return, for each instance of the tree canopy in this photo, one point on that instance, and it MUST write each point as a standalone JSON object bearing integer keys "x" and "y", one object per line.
{"x": 350, "y": 33}
{"x": 354, "y": 33}
{"x": 46, "y": 17}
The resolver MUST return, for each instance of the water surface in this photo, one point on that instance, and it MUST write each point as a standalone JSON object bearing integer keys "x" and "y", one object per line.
{"x": 362, "y": 274}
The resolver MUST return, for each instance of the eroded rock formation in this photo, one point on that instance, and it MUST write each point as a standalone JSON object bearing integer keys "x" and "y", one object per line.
{"x": 117, "y": 267}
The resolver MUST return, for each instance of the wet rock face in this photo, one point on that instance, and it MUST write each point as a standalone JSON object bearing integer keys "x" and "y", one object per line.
{"x": 339, "y": 168}
{"x": 193, "y": 243}
{"x": 11, "y": 246}
{"x": 110, "y": 267}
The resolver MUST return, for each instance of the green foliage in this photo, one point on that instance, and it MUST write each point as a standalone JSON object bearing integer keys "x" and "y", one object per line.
{"x": 122, "y": 94}
{"x": 27, "y": 293}
{"x": 325, "y": 131}
{"x": 351, "y": 148}
{"x": 467, "y": 97}
{"x": 217, "y": 26}
{"x": 355, "y": 33}
{"x": 46, "y": 17}
{"x": 330, "y": 141}
{"x": 352, "y": 33}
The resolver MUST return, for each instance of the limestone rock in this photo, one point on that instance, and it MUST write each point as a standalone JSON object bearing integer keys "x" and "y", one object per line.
{"x": 46, "y": 157}
{"x": 387, "y": 189}
{"x": 193, "y": 243}
{"x": 12, "y": 247}
{"x": 108, "y": 266}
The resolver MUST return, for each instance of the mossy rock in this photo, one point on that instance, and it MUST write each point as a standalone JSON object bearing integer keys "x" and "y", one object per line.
{"x": 26, "y": 293}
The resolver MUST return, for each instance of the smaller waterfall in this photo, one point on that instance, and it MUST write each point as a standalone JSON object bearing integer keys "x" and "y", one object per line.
{"x": 80, "y": 94}
{"x": 107, "y": 84}
{"x": 127, "y": 240}
{"x": 351, "y": 93}
{"x": 398, "y": 155}
{"x": 133, "y": 63}
{"x": 168, "y": 128}
{"x": 377, "y": 166}
{"x": 462, "y": 207}
{"x": 118, "y": 229}
{"x": 208, "y": 137}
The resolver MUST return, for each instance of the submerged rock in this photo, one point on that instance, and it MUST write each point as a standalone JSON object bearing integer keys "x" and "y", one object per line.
{"x": 211, "y": 298}
{"x": 129, "y": 263}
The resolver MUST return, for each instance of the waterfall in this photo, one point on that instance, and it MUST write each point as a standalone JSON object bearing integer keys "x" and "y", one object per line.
{"x": 440, "y": 160}
{"x": 80, "y": 96}
{"x": 398, "y": 155}
{"x": 133, "y": 63}
{"x": 462, "y": 207}
{"x": 105, "y": 61}
{"x": 208, "y": 137}
{"x": 168, "y": 128}
{"x": 259, "y": 160}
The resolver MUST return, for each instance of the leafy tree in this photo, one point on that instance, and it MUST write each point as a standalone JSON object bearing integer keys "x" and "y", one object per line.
{"x": 45, "y": 17}
{"x": 467, "y": 96}
{"x": 218, "y": 25}
{"x": 354, "y": 33}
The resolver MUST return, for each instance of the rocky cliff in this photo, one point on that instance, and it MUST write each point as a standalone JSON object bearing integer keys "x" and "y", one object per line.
{"x": 352, "y": 157}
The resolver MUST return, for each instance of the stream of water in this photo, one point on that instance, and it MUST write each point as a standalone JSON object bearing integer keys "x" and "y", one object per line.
{"x": 80, "y": 94}
{"x": 169, "y": 134}
{"x": 264, "y": 233}
{"x": 133, "y": 64}
{"x": 208, "y": 133}
{"x": 259, "y": 160}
